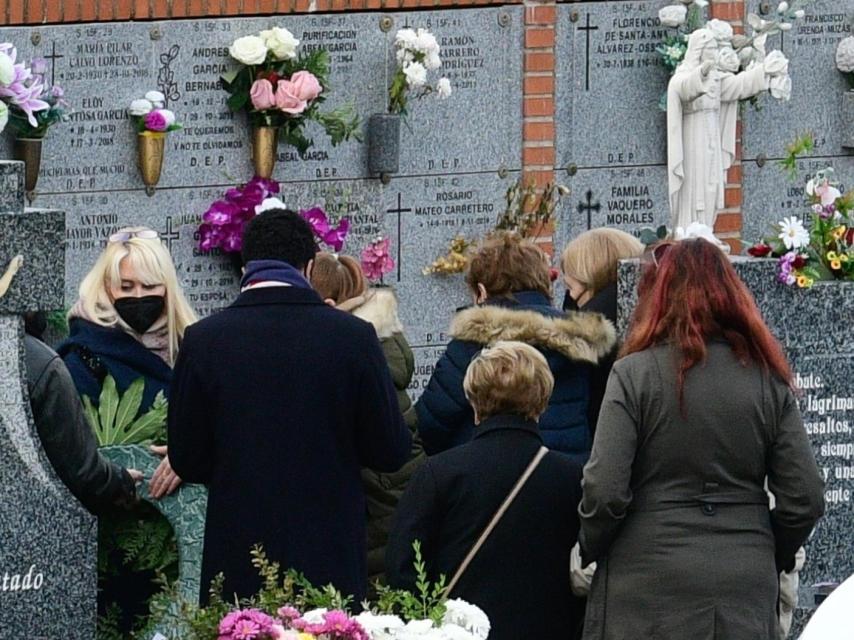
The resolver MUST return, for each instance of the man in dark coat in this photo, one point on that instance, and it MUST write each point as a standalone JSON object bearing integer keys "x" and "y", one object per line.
{"x": 277, "y": 403}
{"x": 520, "y": 576}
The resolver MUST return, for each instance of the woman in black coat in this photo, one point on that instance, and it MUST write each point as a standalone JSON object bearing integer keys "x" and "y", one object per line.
{"x": 520, "y": 576}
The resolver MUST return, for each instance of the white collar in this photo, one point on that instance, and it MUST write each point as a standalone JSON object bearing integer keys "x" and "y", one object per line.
{"x": 264, "y": 284}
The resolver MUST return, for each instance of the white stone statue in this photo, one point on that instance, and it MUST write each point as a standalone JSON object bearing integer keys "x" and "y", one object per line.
{"x": 702, "y": 111}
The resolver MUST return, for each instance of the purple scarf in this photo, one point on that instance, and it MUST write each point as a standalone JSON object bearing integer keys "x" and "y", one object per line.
{"x": 273, "y": 271}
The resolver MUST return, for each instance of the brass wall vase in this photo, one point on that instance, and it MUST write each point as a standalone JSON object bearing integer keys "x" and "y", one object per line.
{"x": 150, "y": 148}
{"x": 29, "y": 150}
{"x": 265, "y": 143}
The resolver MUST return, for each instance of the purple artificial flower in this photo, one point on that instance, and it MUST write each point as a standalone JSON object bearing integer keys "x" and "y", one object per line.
{"x": 57, "y": 92}
{"x": 319, "y": 222}
{"x": 785, "y": 268}
{"x": 233, "y": 240}
{"x": 210, "y": 237}
{"x": 245, "y": 624}
{"x": 221, "y": 213}
{"x": 828, "y": 211}
{"x": 335, "y": 237}
{"x": 156, "y": 121}
{"x": 25, "y": 92}
{"x": 316, "y": 217}
{"x": 38, "y": 66}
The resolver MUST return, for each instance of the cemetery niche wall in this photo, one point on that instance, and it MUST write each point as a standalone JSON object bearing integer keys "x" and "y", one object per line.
{"x": 458, "y": 156}
{"x": 611, "y": 145}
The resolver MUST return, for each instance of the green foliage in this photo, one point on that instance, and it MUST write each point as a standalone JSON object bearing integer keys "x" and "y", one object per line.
{"x": 140, "y": 540}
{"x": 20, "y": 125}
{"x": 115, "y": 420}
{"x": 109, "y": 625}
{"x": 801, "y": 145}
{"x": 527, "y": 212}
{"x": 427, "y": 602}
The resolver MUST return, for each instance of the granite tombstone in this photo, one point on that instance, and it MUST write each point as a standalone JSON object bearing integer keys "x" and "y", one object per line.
{"x": 47, "y": 539}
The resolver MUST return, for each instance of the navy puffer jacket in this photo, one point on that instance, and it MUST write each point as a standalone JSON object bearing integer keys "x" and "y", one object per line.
{"x": 573, "y": 343}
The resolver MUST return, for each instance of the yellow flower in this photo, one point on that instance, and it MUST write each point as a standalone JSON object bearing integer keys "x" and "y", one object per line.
{"x": 843, "y": 257}
{"x": 804, "y": 282}
{"x": 831, "y": 255}
{"x": 838, "y": 232}
{"x": 835, "y": 264}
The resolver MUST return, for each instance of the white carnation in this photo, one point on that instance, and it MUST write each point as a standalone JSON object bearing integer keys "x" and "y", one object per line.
{"x": 155, "y": 97}
{"x": 785, "y": 26}
{"x": 800, "y": 13}
{"x": 7, "y": 69}
{"x": 433, "y": 61}
{"x": 443, "y": 88}
{"x": 249, "y": 50}
{"x": 281, "y": 43}
{"x": 426, "y": 42}
{"x": 467, "y": 616}
{"x": 406, "y": 39}
{"x": 416, "y": 74}
{"x": 845, "y": 55}
{"x": 169, "y": 116}
{"x": 273, "y": 203}
{"x": 722, "y": 30}
{"x": 456, "y": 632}
{"x": 379, "y": 627}
{"x": 781, "y": 87}
{"x": 140, "y": 107}
{"x": 728, "y": 60}
{"x": 783, "y": 7}
{"x": 315, "y": 616}
{"x": 673, "y": 16}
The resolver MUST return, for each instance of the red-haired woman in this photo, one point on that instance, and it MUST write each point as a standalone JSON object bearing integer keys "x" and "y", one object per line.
{"x": 697, "y": 415}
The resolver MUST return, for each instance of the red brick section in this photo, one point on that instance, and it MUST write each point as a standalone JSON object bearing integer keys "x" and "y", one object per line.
{"x": 538, "y": 106}
{"x": 729, "y": 222}
{"x": 13, "y": 12}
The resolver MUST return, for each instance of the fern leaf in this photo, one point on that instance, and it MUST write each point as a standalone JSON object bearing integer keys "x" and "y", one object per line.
{"x": 107, "y": 406}
{"x": 129, "y": 404}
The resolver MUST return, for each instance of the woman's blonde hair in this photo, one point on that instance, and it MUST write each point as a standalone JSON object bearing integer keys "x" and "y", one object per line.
{"x": 509, "y": 377}
{"x": 506, "y": 263}
{"x": 592, "y": 258}
{"x": 153, "y": 265}
{"x": 337, "y": 278}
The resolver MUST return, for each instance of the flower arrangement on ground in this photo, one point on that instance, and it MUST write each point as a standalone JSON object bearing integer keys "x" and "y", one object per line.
{"x": 282, "y": 88}
{"x": 526, "y": 212}
{"x": 825, "y": 251}
{"x": 737, "y": 52}
{"x": 291, "y": 608}
{"x": 376, "y": 261}
{"x": 416, "y": 53}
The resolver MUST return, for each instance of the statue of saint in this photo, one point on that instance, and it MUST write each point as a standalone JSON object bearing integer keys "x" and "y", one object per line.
{"x": 702, "y": 111}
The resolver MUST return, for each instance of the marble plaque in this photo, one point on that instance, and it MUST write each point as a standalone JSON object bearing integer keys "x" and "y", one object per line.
{"x": 817, "y": 89}
{"x": 96, "y": 149}
{"x": 609, "y": 82}
{"x": 770, "y": 194}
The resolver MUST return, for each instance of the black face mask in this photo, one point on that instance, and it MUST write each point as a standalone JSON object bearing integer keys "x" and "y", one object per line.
{"x": 140, "y": 313}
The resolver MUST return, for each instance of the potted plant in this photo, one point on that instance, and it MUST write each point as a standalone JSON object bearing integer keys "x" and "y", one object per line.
{"x": 416, "y": 53}
{"x": 31, "y": 107}
{"x": 281, "y": 90}
{"x": 153, "y": 121}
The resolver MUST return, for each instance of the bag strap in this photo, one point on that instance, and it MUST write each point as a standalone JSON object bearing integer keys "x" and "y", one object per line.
{"x": 535, "y": 462}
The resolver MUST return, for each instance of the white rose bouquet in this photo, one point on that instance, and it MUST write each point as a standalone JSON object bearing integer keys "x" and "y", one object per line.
{"x": 280, "y": 87}
{"x": 417, "y": 53}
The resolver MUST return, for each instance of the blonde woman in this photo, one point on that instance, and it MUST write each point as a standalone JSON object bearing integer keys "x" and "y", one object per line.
{"x": 590, "y": 264}
{"x": 128, "y": 323}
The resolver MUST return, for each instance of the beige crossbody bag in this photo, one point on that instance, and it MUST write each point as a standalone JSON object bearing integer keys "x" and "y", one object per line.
{"x": 496, "y": 518}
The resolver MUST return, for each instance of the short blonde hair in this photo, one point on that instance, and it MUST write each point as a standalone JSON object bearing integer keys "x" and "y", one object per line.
{"x": 154, "y": 266}
{"x": 593, "y": 257}
{"x": 506, "y": 263}
{"x": 509, "y": 377}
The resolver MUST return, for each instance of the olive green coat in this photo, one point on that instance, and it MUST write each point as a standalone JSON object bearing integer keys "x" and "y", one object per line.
{"x": 383, "y": 490}
{"x": 674, "y": 508}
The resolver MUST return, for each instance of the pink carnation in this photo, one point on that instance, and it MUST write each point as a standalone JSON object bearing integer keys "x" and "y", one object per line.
{"x": 156, "y": 121}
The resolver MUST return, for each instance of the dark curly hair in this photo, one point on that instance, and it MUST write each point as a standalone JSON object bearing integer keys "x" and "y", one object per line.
{"x": 279, "y": 234}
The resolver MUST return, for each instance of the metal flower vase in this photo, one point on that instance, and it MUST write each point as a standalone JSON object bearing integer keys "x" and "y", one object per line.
{"x": 384, "y": 143}
{"x": 150, "y": 149}
{"x": 265, "y": 143}
{"x": 848, "y": 118}
{"x": 29, "y": 151}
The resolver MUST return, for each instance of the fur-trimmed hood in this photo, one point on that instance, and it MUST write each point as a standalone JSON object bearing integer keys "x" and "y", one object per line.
{"x": 380, "y": 309}
{"x": 587, "y": 337}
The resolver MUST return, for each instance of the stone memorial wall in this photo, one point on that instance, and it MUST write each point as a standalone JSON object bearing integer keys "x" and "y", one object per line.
{"x": 457, "y": 156}
{"x": 611, "y": 142}
{"x": 816, "y": 106}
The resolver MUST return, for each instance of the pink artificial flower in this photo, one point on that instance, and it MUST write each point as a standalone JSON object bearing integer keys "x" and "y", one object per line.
{"x": 376, "y": 261}
{"x": 156, "y": 121}
{"x": 287, "y": 99}
{"x": 827, "y": 193}
{"x": 262, "y": 95}
{"x": 305, "y": 85}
